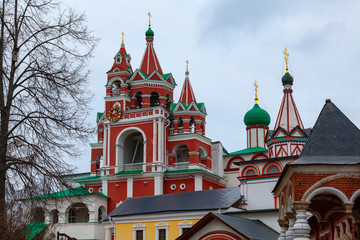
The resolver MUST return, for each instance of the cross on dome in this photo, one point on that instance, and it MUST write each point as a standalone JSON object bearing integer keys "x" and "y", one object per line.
{"x": 286, "y": 56}
{"x": 149, "y": 14}
{"x": 256, "y": 87}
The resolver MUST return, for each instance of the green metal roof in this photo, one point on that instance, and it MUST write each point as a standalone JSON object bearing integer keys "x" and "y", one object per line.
{"x": 87, "y": 178}
{"x": 34, "y": 228}
{"x": 249, "y": 150}
{"x": 98, "y": 116}
{"x": 75, "y": 192}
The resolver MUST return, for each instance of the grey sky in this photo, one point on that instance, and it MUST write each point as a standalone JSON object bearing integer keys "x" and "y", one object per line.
{"x": 229, "y": 44}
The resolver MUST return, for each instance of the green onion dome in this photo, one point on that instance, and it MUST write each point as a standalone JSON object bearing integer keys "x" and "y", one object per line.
{"x": 287, "y": 79}
{"x": 149, "y": 33}
{"x": 257, "y": 116}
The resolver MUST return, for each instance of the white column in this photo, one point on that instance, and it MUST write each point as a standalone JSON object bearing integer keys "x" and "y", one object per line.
{"x": 301, "y": 227}
{"x": 108, "y": 234}
{"x": 104, "y": 186}
{"x": 290, "y": 232}
{"x": 283, "y": 228}
{"x": 158, "y": 185}
{"x": 159, "y": 142}
{"x": 198, "y": 183}
{"x": 154, "y": 140}
{"x": 105, "y": 159}
{"x": 129, "y": 184}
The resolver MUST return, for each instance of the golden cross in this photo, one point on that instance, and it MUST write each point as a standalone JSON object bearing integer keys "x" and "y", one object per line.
{"x": 122, "y": 41}
{"x": 149, "y": 19}
{"x": 256, "y": 87}
{"x": 286, "y": 55}
{"x": 187, "y": 65}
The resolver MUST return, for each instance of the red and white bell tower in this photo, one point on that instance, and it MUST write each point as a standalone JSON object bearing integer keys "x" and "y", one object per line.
{"x": 148, "y": 145}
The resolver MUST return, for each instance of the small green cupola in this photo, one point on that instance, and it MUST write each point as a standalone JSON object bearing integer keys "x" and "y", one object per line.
{"x": 287, "y": 78}
{"x": 256, "y": 116}
{"x": 149, "y": 33}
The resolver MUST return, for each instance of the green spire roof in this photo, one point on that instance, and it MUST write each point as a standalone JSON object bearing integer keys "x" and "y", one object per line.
{"x": 257, "y": 116}
{"x": 149, "y": 33}
{"x": 287, "y": 79}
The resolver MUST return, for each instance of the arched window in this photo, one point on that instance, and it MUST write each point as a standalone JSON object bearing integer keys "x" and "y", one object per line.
{"x": 138, "y": 98}
{"x": 116, "y": 88}
{"x": 101, "y": 213}
{"x": 273, "y": 169}
{"x": 180, "y": 125}
{"x": 54, "y": 216}
{"x": 171, "y": 126}
{"x": 78, "y": 213}
{"x": 182, "y": 157}
{"x": 99, "y": 160}
{"x": 154, "y": 99}
{"x": 250, "y": 172}
{"x": 192, "y": 125}
{"x": 133, "y": 151}
{"x": 168, "y": 101}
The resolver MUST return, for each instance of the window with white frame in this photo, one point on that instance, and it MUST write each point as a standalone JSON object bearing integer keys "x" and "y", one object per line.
{"x": 184, "y": 226}
{"x": 161, "y": 231}
{"x": 139, "y": 232}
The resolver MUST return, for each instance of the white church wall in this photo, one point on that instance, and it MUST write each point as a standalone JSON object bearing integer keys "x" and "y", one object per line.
{"x": 258, "y": 194}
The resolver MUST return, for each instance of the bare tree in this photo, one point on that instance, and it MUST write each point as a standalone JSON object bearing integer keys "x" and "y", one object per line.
{"x": 44, "y": 51}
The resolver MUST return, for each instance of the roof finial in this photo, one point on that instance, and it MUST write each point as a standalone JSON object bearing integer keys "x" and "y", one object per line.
{"x": 286, "y": 55}
{"x": 187, "y": 65}
{"x": 149, "y": 19}
{"x": 256, "y": 96}
{"x": 122, "y": 38}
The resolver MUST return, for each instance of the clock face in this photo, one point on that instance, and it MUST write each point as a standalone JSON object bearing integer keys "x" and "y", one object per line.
{"x": 114, "y": 114}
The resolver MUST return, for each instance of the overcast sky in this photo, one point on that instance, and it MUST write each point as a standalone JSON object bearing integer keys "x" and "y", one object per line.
{"x": 229, "y": 44}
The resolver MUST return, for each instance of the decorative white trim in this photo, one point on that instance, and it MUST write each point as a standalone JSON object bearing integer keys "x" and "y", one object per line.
{"x": 330, "y": 190}
{"x": 136, "y": 227}
{"x": 129, "y": 185}
{"x": 100, "y": 190}
{"x": 173, "y": 187}
{"x": 161, "y": 225}
{"x": 355, "y": 195}
{"x": 184, "y": 224}
{"x": 91, "y": 190}
{"x": 182, "y": 186}
{"x": 198, "y": 183}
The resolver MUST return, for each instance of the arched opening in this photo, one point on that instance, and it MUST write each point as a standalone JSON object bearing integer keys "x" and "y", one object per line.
{"x": 168, "y": 101}
{"x": 182, "y": 157}
{"x": 78, "y": 213}
{"x": 138, "y": 98}
{"x": 202, "y": 157}
{"x": 134, "y": 151}
{"x": 101, "y": 213}
{"x": 38, "y": 214}
{"x": 116, "y": 88}
{"x": 273, "y": 169}
{"x": 154, "y": 99}
{"x": 171, "y": 125}
{"x": 180, "y": 125}
{"x": 54, "y": 216}
{"x": 192, "y": 125}
{"x": 99, "y": 161}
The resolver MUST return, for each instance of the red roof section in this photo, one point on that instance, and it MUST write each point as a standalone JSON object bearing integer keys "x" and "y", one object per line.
{"x": 123, "y": 64}
{"x": 150, "y": 61}
{"x": 187, "y": 94}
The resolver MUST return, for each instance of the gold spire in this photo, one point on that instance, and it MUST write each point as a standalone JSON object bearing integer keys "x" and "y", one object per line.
{"x": 149, "y": 19}
{"x": 122, "y": 38}
{"x": 256, "y": 96}
{"x": 187, "y": 65}
{"x": 286, "y": 55}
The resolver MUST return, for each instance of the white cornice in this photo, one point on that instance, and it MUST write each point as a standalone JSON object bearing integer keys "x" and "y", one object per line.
{"x": 189, "y": 136}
